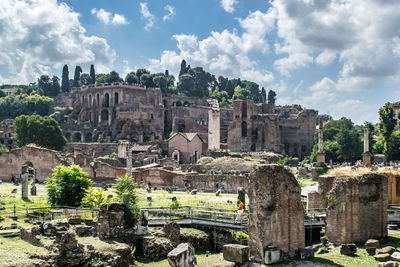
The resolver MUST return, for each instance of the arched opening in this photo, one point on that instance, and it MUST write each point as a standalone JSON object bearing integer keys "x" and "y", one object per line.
{"x": 77, "y": 137}
{"x": 83, "y": 100}
{"x": 89, "y": 137}
{"x": 98, "y": 99}
{"x": 115, "y": 98}
{"x": 178, "y": 103}
{"x": 106, "y": 100}
{"x": 165, "y": 103}
{"x": 244, "y": 129}
{"x": 68, "y": 137}
{"x": 90, "y": 100}
{"x": 104, "y": 115}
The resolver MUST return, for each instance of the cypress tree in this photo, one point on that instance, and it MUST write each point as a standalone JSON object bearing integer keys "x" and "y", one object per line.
{"x": 77, "y": 75}
{"x": 65, "y": 79}
{"x": 92, "y": 75}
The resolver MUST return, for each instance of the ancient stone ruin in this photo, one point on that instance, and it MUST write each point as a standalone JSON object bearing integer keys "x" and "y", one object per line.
{"x": 114, "y": 221}
{"x": 357, "y": 208}
{"x": 276, "y": 214}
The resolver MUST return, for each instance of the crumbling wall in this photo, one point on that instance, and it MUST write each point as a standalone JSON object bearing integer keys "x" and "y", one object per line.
{"x": 357, "y": 208}
{"x": 276, "y": 214}
{"x": 393, "y": 187}
{"x": 319, "y": 200}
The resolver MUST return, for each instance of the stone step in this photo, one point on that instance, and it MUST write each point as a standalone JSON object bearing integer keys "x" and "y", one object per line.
{"x": 9, "y": 233}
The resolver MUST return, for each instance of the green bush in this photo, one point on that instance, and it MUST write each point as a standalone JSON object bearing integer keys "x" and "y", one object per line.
{"x": 127, "y": 185}
{"x": 94, "y": 198}
{"x": 2, "y": 218}
{"x": 67, "y": 186}
{"x": 322, "y": 169}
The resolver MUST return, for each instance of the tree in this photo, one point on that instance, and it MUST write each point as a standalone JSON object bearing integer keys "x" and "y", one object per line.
{"x": 393, "y": 146}
{"x": 101, "y": 78}
{"x": 230, "y": 88}
{"x": 42, "y": 131}
{"x": 221, "y": 96}
{"x": 161, "y": 81}
{"x": 15, "y": 105}
{"x": 140, "y": 72}
{"x": 67, "y": 186}
{"x": 131, "y": 78}
{"x": 113, "y": 77}
{"x": 94, "y": 198}
{"x": 127, "y": 185}
{"x": 387, "y": 122}
{"x": 254, "y": 91}
{"x": 92, "y": 75}
{"x": 85, "y": 79}
{"x": 147, "y": 80}
{"x": 2, "y": 94}
{"x": 184, "y": 69}
{"x": 271, "y": 97}
{"x": 241, "y": 93}
{"x": 263, "y": 95}
{"x": 65, "y": 79}
{"x": 55, "y": 86}
{"x": 78, "y": 71}
{"x": 45, "y": 84}
{"x": 186, "y": 83}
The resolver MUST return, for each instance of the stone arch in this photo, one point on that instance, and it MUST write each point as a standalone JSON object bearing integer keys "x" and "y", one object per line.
{"x": 89, "y": 137}
{"x": 106, "y": 100}
{"x": 90, "y": 100}
{"x": 244, "y": 110}
{"x": 116, "y": 100}
{"x": 83, "y": 101}
{"x": 165, "y": 103}
{"x": 178, "y": 103}
{"x": 244, "y": 129}
{"x": 77, "y": 137}
{"x": 104, "y": 115}
{"x": 98, "y": 99}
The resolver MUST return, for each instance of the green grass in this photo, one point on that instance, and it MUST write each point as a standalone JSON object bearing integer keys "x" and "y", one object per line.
{"x": 202, "y": 261}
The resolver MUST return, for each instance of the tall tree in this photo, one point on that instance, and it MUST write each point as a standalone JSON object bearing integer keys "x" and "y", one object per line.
{"x": 131, "y": 78}
{"x": 393, "y": 146}
{"x": 263, "y": 95}
{"x": 85, "y": 79}
{"x": 271, "y": 97}
{"x": 230, "y": 88}
{"x": 55, "y": 90}
{"x": 45, "y": 84}
{"x": 387, "y": 122}
{"x": 65, "y": 79}
{"x": 184, "y": 69}
{"x": 101, "y": 78}
{"x": 92, "y": 75}
{"x": 113, "y": 77}
{"x": 241, "y": 93}
{"x": 161, "y": 81}
{"x": 78, "y": 71}
{"x": 140, "y": 72}
{"x": 147, "y": 80}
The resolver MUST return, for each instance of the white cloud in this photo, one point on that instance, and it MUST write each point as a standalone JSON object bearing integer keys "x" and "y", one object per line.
{"x": 171, "y": 12}
{"x": 228, "y": 5}
{"x": 363, "y": 35}
{"x": 145, "y": 12}
{"x": 224, "y": 53}
{"x": 43, "y": 35}
{"x": 108, "y": 18}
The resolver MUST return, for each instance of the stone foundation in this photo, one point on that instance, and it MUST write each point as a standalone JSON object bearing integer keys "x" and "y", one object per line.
{"x": 357, "y": 208}
{"x": 276, "y": 214}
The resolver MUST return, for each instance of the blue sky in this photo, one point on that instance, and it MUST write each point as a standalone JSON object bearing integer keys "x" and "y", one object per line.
{"x": 341, "y": 57}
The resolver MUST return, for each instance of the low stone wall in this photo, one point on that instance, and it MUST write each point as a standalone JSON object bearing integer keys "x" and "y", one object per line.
{"x": 92, "y": 149}
{"x": 357, "y": 208}
{"x": 229, "y": 183}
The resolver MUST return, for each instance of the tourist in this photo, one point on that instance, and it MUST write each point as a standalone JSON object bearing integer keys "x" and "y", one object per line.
{"x": 240, "y": 210}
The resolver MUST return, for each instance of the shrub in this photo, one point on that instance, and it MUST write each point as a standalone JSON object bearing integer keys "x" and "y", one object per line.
{"x": 67, "y": 186}
{"x": 127, "y": 185}
{"x": 2, "y": 218}
{"x": 94, "y": 198}
{"x": 322, "y": 169}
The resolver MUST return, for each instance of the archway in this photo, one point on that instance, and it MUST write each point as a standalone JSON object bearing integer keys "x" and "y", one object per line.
{"x": 106, "y": 100}
{"x": 104, "y": 115}
{"x": 244, "y": 129}
{"x": 116, "y": 99}
{"x": 77, "y": 137}
{"x": 89, "y": 137}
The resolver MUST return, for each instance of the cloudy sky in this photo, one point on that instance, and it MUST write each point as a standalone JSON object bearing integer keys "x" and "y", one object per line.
{"x": 341, "y": 57}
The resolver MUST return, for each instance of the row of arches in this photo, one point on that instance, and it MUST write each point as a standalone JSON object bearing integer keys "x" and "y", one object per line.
{"x": 78, "y": 137}
{"x": 100, "y": 100}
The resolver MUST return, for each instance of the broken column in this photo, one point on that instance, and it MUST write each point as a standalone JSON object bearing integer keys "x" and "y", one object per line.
{"x": 357, "y": 208}
{"x": 321, "y": 153}
{"x": 24, "y": 181}
{"x": 366, "y": 156}
{"x": 129, "y": 162}
{"x": 276, "y": 214}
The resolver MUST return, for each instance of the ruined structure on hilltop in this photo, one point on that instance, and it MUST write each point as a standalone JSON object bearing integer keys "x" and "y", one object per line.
{"x": 266, "y": 127}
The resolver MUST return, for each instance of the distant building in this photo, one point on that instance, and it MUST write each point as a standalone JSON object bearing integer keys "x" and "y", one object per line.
{"x": 186, "y": 148}
{"x": 9, "y": 91}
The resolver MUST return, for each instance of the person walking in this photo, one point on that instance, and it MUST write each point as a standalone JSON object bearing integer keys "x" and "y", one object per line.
{"x": 240, "y": 209}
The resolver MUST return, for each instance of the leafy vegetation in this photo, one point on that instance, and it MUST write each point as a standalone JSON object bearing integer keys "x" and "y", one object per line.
{"x": 127, "y": 185}
{"x": 15, "y": 105}
{"x": 322, "y": 169}
{"x": 42, "y": 131}
{"x": 67, "y": 186}
{"x": 94, "y": 198}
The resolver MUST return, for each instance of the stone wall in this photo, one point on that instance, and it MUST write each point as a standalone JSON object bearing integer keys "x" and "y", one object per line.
{"x": 276, "y": 214}
{"x": 319, "y": 200}
{"x": 357, "y": 208}
{"x": 393, "y": 187}
{"x": 91, "y": 149}
{"x": 42, "y": 159}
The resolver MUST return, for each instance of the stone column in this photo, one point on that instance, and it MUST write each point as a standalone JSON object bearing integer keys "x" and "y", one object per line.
{"x": 24, "y": 182}
{"x": 214, "y": 127}
{"x": 321, "y": 153}
{"x": 366, "y": 156}
{"x": 129, "y": 162}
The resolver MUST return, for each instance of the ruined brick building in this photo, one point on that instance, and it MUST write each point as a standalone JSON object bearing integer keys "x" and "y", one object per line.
{"x": 111, "y": 112}
{"x": 265, "y": 127}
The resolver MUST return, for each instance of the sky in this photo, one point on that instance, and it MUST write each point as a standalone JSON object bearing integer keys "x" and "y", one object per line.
{"x": 340, "y": 57}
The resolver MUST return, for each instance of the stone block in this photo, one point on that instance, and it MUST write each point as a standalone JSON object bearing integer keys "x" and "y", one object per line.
{"x": 272, "y": 255}
{"x": 388, "y": 264}
{"x": 31, "y": 235}
{"x": 382, "y": 257}
{"x": 236, "y": 253}
{"x": 75, "y": 220}
{"x": 395, "y": 256}
{"x": 306, "y": 253}
{"x": 182, "y": 256}
{"x": 83, "y": 230}
{"x": 387, "y": 249}
{"x": 371, "y": 245}
{"x": 348, "y": 249}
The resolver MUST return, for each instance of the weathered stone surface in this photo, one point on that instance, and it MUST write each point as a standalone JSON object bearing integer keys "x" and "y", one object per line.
{"x": 387, "y": 249}
{"x": 172, "y": 231}
{"x": 154, "y": 248}
{"x": 348, "y": 249}
{"x": 273, "y": 255}
{"x": 71, "y": 253}
{"x": 182, "y": 256}
{"x": 31, "y": 235}
{"x": 236, "y": 253}
{"x": 357, "y": 208}
{"x": 388, "y": 264}
{"x": 75, "y": 220}
{"x": 83, "y": 230}
{"x": 382, "y": 257}
{"x": 113, "y": 221}
{"x": 371, "y": 245}
{"x": 276, "y": 214}
{"x": 395, "y": 256}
